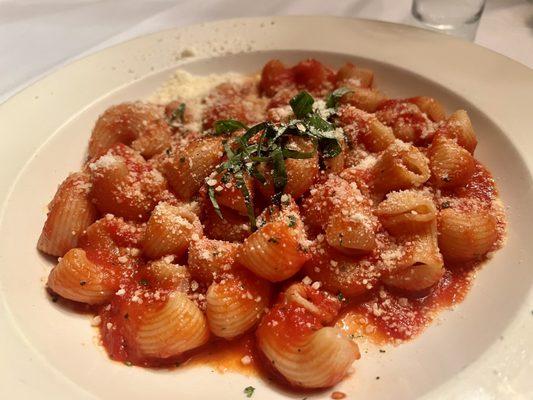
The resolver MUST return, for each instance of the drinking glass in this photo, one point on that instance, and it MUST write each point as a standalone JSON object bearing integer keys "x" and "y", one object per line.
{"x": 455, "y": 17}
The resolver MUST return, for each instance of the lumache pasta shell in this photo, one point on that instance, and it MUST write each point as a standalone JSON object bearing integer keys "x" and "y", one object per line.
{"x": 70, "y": 213}
{"x": 235, "y": 304}
{"x": 451, "y": 165}
{"x": 169, "y": 230}
{"x": 466, "y": 235}
{"x": 171, "y": 329}
{"x": 306, "y": 353}
{"x": 77, "y": 278}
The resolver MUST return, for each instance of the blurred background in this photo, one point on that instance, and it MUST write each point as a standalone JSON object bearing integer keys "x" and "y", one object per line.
{"x": 38, "y": 36}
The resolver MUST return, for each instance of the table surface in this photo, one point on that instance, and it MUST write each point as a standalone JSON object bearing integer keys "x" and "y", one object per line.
{"x": 39, "y": 36}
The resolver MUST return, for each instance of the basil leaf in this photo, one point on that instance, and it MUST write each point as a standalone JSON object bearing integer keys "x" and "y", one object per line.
{"x": 179, "y": 112}
{"x": 279, "y": 173}
{"x": 211, "y": 193}
{"x": 330, "y": 147}
{"x": 241, "y": 185}
{"x": 333, "y": 99}
{"x": 316, "y": 123}
{"x": 228, "y": 126}
{"x": 249, "y": 391}
{"x": 260, "y": 159}
{"x": 250, "y": 132}
{"x": 257, "y": 175}
{"x": 302, "y": 104}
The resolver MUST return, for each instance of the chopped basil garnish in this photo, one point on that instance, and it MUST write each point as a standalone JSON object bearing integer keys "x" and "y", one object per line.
{"x": 302, "y": 104}
{"x": 177, "y": 114}
{"x": 333, "y": 99}
{"x": 269, "y": 144}
{"x": 228, "y": 126}
{"x": 249, "y": 391}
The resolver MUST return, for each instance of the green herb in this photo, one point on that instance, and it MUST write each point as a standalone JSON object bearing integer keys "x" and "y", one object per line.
{"x": 214, "y": 202}
{"x": 302, "y": 104}
{"x": 249, "y": 391}
{"x": 144, "y": 282}
{"x": 241, "y": 185}
{"x": 178, "y": 113}
{"x": 292, "y": 221}
{"x": 340, "y": 296}
{"x": 228, "y": 126}
{"x": 266, "y": 143}
{"x": 330, "y": 148}
{"x": 279, "y": 173}
{"x": 333, "y": 99}
{"x": 446, "y": 204}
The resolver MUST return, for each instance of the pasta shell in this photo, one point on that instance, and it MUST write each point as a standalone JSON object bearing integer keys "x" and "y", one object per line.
{"x": 125, "y": 185}
{"x": 273, "y": 252}
{"x": 340, "y": 273}
{"x": 458, "y": 127}
{"x": 466, "y": 235}
{"x": 401, "y": 166}
{"x": 430, "y": 106}
{"x": 351, "y": 76}
{"x": 422, "y": 265}
{"x": 77, "y": 278}
{"x": 352, "y": 232}
{"x": 171, "y": 329}
{"x": 168, "y": 275}
{"x": 360, "y": 126}
{"x": 299, "y": 347}
{"x": 71, "y": 212}
{"x": 335, "y": 195}
{"x": 232, "y": 228}
{"x": 451, "y": 165}
{"x": 169, "y": 230}
{"x": 367, "y": 99}
{"x": 236, "y": 304}
{"x": 406, "y": 212}
{"x": 211, "y": 259}
{"x": 140, "y": 124}
{"x": 188, "y": 167}
{"x": 277, "y": 250}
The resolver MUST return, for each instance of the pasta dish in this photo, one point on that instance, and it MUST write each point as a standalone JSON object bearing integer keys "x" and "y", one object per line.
{"x": 288, "y": 216}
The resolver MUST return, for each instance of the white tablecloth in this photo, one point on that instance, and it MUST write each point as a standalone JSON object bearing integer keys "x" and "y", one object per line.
{"x": 37, "y": 36}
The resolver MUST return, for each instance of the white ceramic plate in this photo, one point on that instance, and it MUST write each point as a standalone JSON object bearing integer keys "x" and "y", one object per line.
{"x": 482, "y": 350}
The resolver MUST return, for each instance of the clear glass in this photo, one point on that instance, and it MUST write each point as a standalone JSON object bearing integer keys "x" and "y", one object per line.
{"x": 455, "y": 17}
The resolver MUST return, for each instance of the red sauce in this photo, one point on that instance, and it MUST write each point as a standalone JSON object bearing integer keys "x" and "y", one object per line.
{"x": 388, "y": 317}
